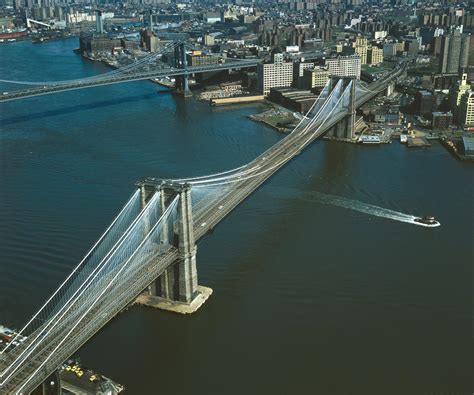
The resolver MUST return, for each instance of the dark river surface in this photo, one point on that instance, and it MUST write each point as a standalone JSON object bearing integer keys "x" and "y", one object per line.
{"x": 311, "y": 295}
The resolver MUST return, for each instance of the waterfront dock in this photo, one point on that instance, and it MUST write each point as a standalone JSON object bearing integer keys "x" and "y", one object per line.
{"x": 236, "y": 100}
{"x": 454, "y": 146}
{"x": 76, "y": 379}
{"x": 417, "y": 142}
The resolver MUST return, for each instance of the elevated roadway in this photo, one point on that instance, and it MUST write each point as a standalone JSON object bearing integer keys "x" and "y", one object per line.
{"x": 128, "y": 77}
{"x": 207, "y": 214}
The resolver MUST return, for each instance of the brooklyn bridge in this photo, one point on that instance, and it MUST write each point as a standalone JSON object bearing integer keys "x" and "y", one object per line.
{"x": 150, "y": 246}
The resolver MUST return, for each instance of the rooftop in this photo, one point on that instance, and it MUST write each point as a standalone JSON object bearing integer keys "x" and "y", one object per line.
{"x": 468, "y": 144}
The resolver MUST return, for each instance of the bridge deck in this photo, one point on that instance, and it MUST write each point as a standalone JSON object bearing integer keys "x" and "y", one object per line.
{"x": 142, "y": 272}
{"x": 130, "y": 77}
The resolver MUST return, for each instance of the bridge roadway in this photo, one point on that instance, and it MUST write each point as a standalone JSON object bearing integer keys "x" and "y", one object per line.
{"x": 143, "y": 271}
{"x": 144, "y": 75}
{"x": 208, "y": 216}
{"x": 209, "y": 213}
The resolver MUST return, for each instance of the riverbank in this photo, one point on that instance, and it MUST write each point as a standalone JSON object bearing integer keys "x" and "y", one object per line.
{"x": 278, "y": 118}
{"x": 279, "y": 273}
{"x": 455, "y": 148}
{"x": 237, "y": 100}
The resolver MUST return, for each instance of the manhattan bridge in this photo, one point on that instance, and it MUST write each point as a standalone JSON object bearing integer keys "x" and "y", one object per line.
{"x": 150, "y": 246}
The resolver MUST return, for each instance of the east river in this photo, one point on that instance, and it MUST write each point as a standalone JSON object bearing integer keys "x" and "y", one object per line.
{"x": 311, "y": 296}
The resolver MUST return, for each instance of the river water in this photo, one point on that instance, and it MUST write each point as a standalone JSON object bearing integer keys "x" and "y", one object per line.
{"x": 312, "y": 292}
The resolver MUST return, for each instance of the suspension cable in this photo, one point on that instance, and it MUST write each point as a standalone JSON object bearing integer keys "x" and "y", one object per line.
{"x": 121, "y": 70}
{"x": 129, "y": 202}
{"x": 165, "y": 214}
{"x": 191, "y": 179}
{"x": 226, "y": 180}
{"x": 83, "y": 286}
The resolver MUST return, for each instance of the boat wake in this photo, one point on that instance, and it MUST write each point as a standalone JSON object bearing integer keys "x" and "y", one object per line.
{"x": 362, "y": 207}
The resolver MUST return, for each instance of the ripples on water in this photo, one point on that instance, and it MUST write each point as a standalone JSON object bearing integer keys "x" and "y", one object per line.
{"x": 315, "y": 297}
{"x": 350, "y": 204}
{"x": 362, "y": 207}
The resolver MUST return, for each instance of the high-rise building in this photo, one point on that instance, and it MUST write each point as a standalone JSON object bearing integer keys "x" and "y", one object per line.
{"x": 466, "y": 109}
{"x": 454, "y": 54}
{"x": 466, "y": 52}
{"x": 344, "y": 66}
{"x": 209, "y": 40}
{"x": 424, "y": 102}
{"x": 315, "y": 78}
{"x": 380, "y": 34}
{"x": 149, "y": 41}
{"x": 298, "y": 70}
{"x": 412, "y": 46}
{"x": 274, "y": 75}
{"x": 99, "y": 22}
{"x": 470, "y": 60}
{"x": 17, "y": 4}
{"x": 389, "y": 49}
{"x": 400, "y": 46}
{"x": 374, "y": 55}
{"x": 58, "y": 13}
{"x": 361, "y": 47}
{"x": 456, "y": 93}
{"x": 436, "y": 45}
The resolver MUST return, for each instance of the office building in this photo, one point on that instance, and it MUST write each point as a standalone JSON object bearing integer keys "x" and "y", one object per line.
{"x": 92, "y": 44}
{"x": 456, "y": 93}
{"x": 467, "y": 51}
{"x": 99, "y": 22}
{"x": 374, "y": 55}
{"x": 466, "y": 109}
{"x": 389, "y": 49}
{"x": 468, "y": 143}
{"x": 454, "y": 54}
{"x": 209, "y": 40}
{"x": 274, "y": 75}
{"x": 400, "y": 46}
{"x": 424, "y": 102}
{"x": 298, "y": 72}
{"x": 197, "y": 58}
{"x": 412, "y": 46}
{"x": 344, "y": 66}
{"x": 150, "y": 41}
{"x": 315, "y": 78}
{"x": 441, "y": 120}
{"x": 360, "y": 48}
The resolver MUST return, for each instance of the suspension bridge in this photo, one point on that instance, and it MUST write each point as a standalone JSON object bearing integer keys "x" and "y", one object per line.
{"x": 151, "y": 244}
{"x": 146, "y": 68}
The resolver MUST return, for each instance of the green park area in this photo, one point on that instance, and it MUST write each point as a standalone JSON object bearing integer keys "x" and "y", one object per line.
{"x": 385, "y": 66}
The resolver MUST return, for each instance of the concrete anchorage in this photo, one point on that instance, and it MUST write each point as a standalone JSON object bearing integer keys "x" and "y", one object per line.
{"x": 177, "y": 288}
{"x": 345, "y": 129}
